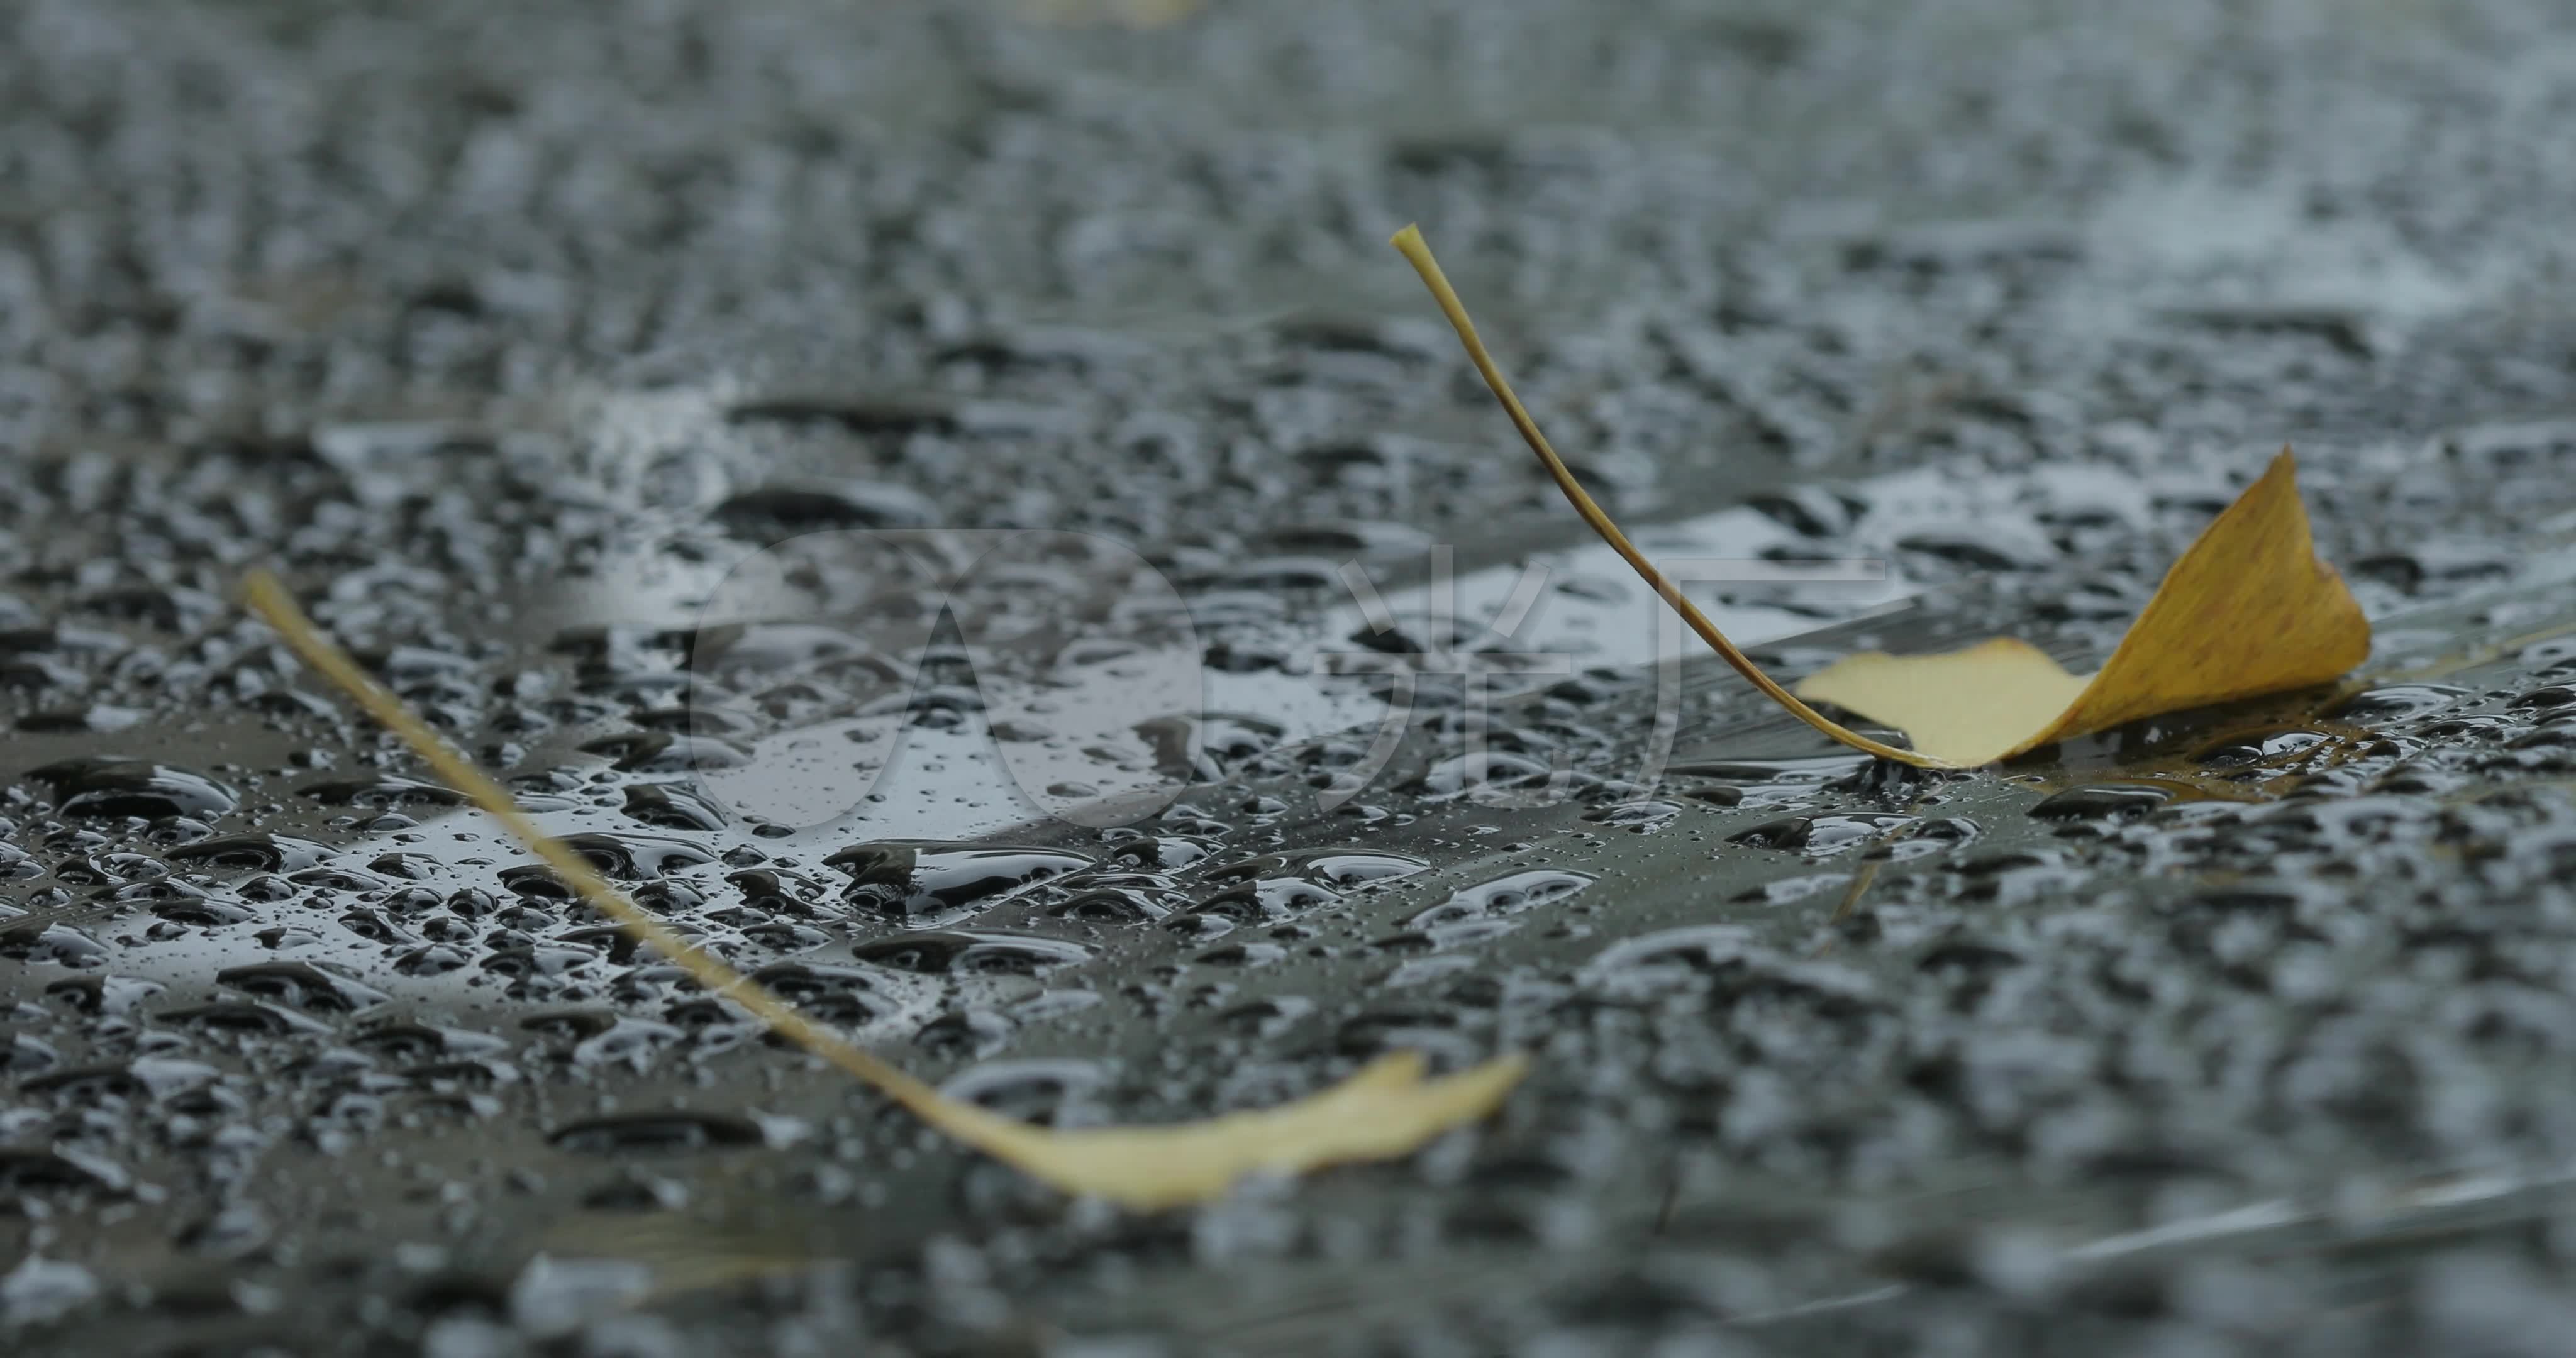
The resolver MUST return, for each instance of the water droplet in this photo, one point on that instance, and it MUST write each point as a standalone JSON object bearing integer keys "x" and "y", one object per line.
{"x": 1763, "y": 782}
{"x": 932, "y": 881}
{"x": 264, "y": 852}
{"x": 670, "y": 1131}
{"x": 1463, "y": 773}
{"x": 635, "y": 857}
{"x": 382, "y": 792}
{"x": 667, "y": 752}
{"x": 2397, "y": 702}
{"x": 1641, "y": 816}
{"x": 244, "y": 1016}
{"x": 975, "y": 953}
{"x": 806, "y": 505}
{"x": 2106, "y": 800}
{"x": 2238, "y": 751}
{"x": 674, "y": 806}
{"x": 847, "y": 996}
{"x": 1505, "y": 895}
{"x": 1817, "y": 836}
{"x": 93, "y": 718}
{"x": 304, "y": 985}
{"x": 133, "y": 787}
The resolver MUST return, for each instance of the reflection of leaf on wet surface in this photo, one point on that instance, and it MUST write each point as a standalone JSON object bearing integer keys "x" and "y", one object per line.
{"x": 1385, "y": 1110}
{"x": 2248, "y": 610}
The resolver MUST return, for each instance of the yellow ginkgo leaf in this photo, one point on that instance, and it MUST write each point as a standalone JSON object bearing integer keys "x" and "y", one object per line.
{"x": 2248, "y": 610}
{"x": 1385, "y": 1110}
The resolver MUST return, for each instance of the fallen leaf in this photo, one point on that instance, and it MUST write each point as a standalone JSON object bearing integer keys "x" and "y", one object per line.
{"x": 1385, "y": 1110}
{"x": 2248, "y": 610}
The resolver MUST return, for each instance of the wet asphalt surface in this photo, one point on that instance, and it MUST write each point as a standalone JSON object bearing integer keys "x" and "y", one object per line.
{"x": 510, "y": 335}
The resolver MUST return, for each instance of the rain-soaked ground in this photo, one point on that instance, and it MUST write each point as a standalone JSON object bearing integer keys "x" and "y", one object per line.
{"x": 622, "y": 381}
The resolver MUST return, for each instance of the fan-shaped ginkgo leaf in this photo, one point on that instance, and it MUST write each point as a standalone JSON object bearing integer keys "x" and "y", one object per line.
{"x": 2248, "y": 610}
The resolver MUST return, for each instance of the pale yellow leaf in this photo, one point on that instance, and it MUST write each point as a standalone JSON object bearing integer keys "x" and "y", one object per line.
{"x": 2248, "y": 610}
{"x": 1386, "y": 1110}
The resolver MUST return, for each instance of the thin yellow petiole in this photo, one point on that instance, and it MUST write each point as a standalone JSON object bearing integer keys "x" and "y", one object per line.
{"x": 268, "y": 598}
{"x": 1409, "y": 242}
{"x": 1387, "y": 1108}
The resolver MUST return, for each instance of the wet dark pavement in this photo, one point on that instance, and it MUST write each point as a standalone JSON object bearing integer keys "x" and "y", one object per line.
{"x": 514, "y": 337}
